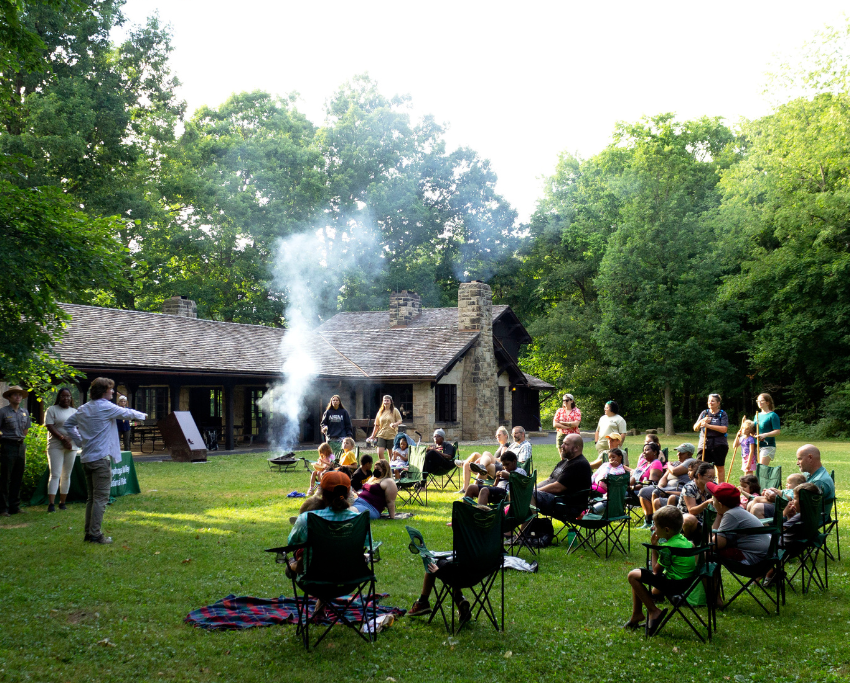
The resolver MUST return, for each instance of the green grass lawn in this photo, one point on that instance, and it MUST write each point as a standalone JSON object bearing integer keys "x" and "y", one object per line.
{"x": 197, "y": 533}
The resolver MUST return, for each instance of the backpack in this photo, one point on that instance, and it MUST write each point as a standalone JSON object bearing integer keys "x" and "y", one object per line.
{"x": 541, "y": 532}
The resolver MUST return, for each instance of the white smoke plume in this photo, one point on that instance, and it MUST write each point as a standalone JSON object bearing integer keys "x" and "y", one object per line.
{"x": 311, "y": 267}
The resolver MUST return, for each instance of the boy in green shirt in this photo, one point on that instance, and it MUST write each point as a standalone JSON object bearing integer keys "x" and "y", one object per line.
{"x": 669, "y": 572}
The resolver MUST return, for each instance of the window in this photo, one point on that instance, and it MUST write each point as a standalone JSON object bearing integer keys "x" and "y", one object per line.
{"x": 153, "y": 401}
{"x": 216, "y": 402}
{"x": 255, "y": 411}
{"x": 445, "y": 403}
{"x": 501, "y": 404}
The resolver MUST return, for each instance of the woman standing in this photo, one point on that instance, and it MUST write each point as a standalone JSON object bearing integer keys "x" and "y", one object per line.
{"x": 713, "y": 425}
{"x": 566, "y": 420}
{"x": 379, "y": 492}
{"x": 60, "y": 449}
{"x": 610, "y": 422}
{"x": 336, "y": 423}
{"x": 124, "y": 426}
{"x": 386, "y": 425}
{"x": 768, "y": 428}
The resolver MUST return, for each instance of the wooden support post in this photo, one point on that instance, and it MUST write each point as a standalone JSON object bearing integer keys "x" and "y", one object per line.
{"x": 229, "y": 440}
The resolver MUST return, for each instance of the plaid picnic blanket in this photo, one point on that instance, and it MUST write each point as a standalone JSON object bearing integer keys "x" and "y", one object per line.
{"x": 234, "y": 612}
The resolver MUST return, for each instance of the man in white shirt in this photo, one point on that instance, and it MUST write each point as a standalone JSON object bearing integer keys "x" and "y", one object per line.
{"x": 93, "y": 426}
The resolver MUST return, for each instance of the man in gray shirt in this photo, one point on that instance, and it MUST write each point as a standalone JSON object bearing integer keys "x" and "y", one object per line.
{"x": 15, "y": 422}
{"x": 93, "y": 426}
{"x": 746, "y": 549}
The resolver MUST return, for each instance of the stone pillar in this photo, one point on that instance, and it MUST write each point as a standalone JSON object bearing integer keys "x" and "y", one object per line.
{"x": 480, "y": 403}
{"x": 404, "y": 307}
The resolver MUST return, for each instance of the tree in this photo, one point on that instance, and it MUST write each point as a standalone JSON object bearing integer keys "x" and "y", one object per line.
{"x": 50, "y": 251}
{"x": 657, "y": 281}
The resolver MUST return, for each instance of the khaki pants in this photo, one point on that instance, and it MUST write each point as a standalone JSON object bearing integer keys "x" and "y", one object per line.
{"x": 98, "y": 484}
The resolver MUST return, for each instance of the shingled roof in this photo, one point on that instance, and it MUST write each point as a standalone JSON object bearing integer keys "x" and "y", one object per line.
{"x": 349, "y": 345}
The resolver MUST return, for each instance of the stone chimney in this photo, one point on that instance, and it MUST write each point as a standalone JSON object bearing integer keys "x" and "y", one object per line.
{"x": 480, "y": 388}
{"x": 475, "y": 307}
{"x": 180, "y": 305}
{"x": 404, "y": 307}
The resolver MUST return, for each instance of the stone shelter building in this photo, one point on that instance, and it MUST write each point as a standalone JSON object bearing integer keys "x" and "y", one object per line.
{"x": 453, "y": 368}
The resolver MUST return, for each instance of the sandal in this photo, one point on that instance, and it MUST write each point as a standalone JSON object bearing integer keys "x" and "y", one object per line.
{"x": 653, "y": 624}
{"x": 632, "y": 625}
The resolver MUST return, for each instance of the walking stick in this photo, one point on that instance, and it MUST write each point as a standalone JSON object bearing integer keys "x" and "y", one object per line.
{"x": 735, "y": 450}
{"x": 758, "y": 445}
{"x": 704, "y": 440}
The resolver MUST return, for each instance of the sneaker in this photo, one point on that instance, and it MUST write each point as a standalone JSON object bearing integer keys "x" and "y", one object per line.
{"x": 475, "y": 467}
{"x": 460, "y": 463}
{"x": 101, "y": 540}
{"x": 62, "y": 506}
{"x": 419, "y": 609}
{"x": 51, "y": 508}
{"x": 5, "y": 514}
{"x": 645, "y": 525}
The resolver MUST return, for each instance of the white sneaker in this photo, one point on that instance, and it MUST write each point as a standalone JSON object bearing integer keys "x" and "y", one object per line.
{"x": 460, "y": 463}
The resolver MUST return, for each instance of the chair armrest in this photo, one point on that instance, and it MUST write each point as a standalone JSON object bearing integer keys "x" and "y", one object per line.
{"x": 286, "y": 548}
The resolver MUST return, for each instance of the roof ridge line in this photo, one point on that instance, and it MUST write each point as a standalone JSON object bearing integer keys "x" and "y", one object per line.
{"x": 322, "y": 335}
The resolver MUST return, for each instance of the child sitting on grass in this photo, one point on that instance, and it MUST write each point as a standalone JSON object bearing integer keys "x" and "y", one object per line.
{"x": 322, "y": 465}
{"x": 745, "y": 438}
{"x": 762, "y": 506}
{"x": 348, "y": 457}
{"x": 669, "y": 572}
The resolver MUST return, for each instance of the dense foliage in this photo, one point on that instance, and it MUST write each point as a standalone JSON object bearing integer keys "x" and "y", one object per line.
{"x": 685, "y": 257}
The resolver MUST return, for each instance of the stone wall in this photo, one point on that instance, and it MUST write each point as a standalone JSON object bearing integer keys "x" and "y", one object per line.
{"x": 478, "y": 393}
{"x": 177, "y": 305}
{"x": 404, "y": 307}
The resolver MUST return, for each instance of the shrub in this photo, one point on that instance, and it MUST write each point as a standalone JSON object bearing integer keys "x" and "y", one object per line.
{"x": 36, "y": 442}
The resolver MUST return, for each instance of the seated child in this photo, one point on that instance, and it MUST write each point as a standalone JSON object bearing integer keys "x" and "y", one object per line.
{"x": 491, "y": 495}
{"x": 750, "y": 488}
{"x": 362, "y": 473}
{"x": 745, "y": 438}
{"x": 612, "y": 467}
{"x": 669, "y": 572}
{"x": 762, "y": 506}
{"x": 322, "y": 465}
{"x": 348, "y": 457}
{"x": 400, "y": 454}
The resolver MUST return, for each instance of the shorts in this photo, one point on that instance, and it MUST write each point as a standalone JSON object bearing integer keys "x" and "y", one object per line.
{"x": 662, "y": 583}
{"x": 384, "y": 443}
{"x": 768, "y": 452}
{"x": 496, "y": 494}
{"x": 769, "y": 510}
{"x": 546, "y": 504}
{"x": 647, "y": 491}
{"x": 716, "y": 455}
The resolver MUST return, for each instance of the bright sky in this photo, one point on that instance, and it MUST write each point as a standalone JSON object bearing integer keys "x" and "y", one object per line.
{"x": 516, "y": 82}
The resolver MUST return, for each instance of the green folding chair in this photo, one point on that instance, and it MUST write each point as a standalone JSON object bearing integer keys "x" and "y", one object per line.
{"x": 679, "y": 603}
{"x": 611, "y": 523}
{"x": 476, "y": 562}
{"x": 335, "y": 566}
{"x": 769, "y": 477}
{"x": 809, "y": 547}
{"x": 830, "y": 525}
{"x": 749, "y": 576}
{"x": 412, "y": 485}
{"x": 521, "y": 512}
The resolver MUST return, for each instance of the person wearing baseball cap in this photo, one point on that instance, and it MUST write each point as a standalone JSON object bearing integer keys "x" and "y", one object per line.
{"x": 335, "y": 487}
{"x": 15, "y": 422}
{"x": 567, "y": 419}
{"x": 744, "y": 549}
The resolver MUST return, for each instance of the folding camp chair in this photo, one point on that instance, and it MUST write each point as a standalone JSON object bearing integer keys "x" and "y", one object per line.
{"x": 521, "y": 513}
{"x": 611, "y": 523}
{"x": 476, "y": 562}
{"x": 830, "y": 525}
{"x": 809, "y": 547}
{"x": 446, "y": 478}
{"x": 563, "y": 510}
{"x": 769, "y": 477}
{"x": 679, "y": 601}
{"x": 413, "y": 483}
{"x": 749, "y": 576}
{"x": 335, "y": 566}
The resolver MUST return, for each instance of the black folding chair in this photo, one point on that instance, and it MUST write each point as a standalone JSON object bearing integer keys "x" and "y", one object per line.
{"x": 521, "y": 513}
{"x": 810, "y": 545}
{"x": 567, "y": 510}
{"x": 446, "y": 478}
{"x": 335, "y": 565}
{"x": 749, "y": 576}
{"x": 679, "y": 604}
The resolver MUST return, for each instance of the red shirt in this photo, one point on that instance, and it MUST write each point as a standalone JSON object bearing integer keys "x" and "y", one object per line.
{"x": 563, "y": 416}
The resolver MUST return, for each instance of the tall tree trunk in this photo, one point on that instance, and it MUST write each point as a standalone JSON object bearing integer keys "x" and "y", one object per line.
{"x": 668, "y": 410}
